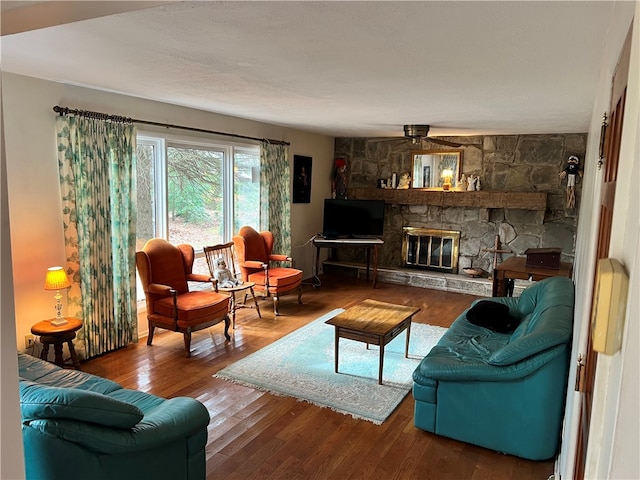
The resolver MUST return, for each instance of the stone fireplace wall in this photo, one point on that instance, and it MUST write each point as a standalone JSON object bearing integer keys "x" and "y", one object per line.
{"x": 512, "y": 163}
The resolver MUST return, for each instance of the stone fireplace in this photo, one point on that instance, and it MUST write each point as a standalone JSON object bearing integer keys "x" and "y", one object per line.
{"x": 430, "y": 249}
{"x": 522, "y": 199}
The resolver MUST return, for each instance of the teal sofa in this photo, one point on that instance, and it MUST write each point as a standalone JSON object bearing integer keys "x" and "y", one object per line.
{"x": 78, "y": 425}
{"x": 502, "y": 391}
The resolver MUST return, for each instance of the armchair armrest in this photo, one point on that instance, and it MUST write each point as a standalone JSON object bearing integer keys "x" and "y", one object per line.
{"x": 174, "y": 419}
{"x": 279, "y": 258}
{"x": 199, "y": 277}
{"x": 161, "y": 289}
{"x": 254, "y": 264}
{"x": 202, "y": 278}
{"x": 274, "y": 257}
{"x": 166, "y": 290}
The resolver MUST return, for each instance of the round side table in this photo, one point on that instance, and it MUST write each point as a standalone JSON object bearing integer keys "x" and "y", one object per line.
{"x": 57, "y": 336}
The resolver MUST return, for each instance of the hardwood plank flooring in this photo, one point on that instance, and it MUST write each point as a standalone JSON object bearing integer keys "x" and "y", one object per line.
{"x": 256, "y": 435}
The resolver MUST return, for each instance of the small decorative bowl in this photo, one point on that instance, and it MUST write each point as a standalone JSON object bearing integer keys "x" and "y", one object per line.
{"x": 473, "y": 272}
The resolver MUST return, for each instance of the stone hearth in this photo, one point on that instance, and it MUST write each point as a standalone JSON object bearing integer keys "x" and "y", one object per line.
{"x": 448, "y": 282}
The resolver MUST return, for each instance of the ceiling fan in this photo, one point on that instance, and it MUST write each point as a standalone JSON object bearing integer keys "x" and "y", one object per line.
{"x": 418, "y": 132}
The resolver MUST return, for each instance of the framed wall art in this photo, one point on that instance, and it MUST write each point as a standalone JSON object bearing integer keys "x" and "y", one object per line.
{"x": 301, "y": 179}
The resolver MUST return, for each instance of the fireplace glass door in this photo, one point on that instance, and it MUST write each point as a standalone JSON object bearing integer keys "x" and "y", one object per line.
{"x": 431, "y": 249}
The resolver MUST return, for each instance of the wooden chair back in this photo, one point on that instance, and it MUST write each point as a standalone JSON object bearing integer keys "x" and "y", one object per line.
{"x": 224, "y": 251}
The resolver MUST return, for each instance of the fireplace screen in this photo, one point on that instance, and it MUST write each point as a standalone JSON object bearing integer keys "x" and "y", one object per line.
{"x": 430, "y": 249}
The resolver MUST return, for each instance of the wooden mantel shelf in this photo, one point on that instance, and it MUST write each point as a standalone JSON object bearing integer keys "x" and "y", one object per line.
{"x": 481, "y": 199}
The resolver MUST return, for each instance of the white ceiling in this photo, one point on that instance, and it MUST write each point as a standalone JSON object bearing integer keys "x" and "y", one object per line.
{"x": 337, "y": 68}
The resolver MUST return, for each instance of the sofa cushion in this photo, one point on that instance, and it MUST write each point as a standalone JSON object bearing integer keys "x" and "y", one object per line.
{"x": 193, "y": 308}
{"x": 42, "y": 401}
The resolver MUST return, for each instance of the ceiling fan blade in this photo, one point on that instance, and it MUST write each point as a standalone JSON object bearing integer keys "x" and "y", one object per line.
{"x": 446, "y": 143}
{"x": 420, "y": 132}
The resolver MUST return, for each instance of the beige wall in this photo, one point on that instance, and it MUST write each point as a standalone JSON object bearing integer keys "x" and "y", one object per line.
{"x": 32, "y": 175}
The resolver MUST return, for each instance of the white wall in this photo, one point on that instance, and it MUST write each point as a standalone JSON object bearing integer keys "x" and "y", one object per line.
{"x": 33, "y": 189}
{"x": 613, "y": 448}
{"x": 613, "y": 438}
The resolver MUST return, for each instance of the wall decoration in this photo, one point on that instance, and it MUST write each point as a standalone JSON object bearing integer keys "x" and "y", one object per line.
{"x": 339, "y": 182}
{"x": 571, "y": 170}
{"x": 301, "y": 179}
{"x": 603, "y": 137}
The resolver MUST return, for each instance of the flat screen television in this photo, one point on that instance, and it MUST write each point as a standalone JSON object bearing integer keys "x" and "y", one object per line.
{"x": 353, "y": 218}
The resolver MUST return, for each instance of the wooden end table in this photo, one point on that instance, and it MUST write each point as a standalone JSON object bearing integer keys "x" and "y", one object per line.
{"x": 516, "y": 267}
{"x": 375, "y": 323}
{"x": 234, "y": 305}
{"x": 57, "y": 336}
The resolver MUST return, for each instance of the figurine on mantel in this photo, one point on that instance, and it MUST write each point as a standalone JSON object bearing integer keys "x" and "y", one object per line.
{"x": 339, "y": 182}
{"x": 473, "y": 184}
{"x": 404, "y": 182}
{"x": 462, "y": 184}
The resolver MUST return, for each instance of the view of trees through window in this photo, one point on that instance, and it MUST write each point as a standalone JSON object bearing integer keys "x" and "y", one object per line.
{"x": 246, "y": 189}
{"x": 195, "y": 196}
{"x": 145, "y": 206}
{"x": 205, "y": 196}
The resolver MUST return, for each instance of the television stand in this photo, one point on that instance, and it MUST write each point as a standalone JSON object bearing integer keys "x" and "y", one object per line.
{"x": 367, "y": 243}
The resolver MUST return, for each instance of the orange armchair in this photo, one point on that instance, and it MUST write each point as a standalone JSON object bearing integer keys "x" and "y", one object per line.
{"x": 164, "y": 271}
{"x": 254, "y": 253}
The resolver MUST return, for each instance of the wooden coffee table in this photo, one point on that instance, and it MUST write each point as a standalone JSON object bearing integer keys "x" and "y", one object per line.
{"x": 375, "y": 323}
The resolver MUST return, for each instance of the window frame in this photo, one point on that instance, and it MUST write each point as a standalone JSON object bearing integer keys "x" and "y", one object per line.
{"x": 161, "y": 142}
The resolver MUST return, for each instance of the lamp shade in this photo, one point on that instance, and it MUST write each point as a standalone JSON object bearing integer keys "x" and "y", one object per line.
{"x": 56, "y": 279}
{"x": 447, "y": 173}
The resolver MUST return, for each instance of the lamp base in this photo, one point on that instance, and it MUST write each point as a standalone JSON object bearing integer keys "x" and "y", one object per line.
{"x": 59, "y": 321}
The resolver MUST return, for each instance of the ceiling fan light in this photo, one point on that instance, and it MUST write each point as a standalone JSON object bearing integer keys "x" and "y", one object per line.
{"x": 410, "y": 131}
{"x": 416, "y": 132}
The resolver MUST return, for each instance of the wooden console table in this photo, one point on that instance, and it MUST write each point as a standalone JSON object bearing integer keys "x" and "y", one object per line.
{"x": 367, "y": 243}
{"x": 516, "y": 268}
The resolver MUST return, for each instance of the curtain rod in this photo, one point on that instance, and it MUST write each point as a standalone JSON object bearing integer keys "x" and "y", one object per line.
{"x": 118, "y": 118}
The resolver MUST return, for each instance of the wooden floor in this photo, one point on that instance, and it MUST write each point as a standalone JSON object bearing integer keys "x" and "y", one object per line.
{"x": 256, "y": 435}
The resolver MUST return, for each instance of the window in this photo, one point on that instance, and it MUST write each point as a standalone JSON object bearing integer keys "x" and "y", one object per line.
{"x": 195, "y": 192}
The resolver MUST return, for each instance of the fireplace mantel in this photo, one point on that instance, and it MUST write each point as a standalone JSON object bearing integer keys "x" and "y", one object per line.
{"x": 481, "y": 199}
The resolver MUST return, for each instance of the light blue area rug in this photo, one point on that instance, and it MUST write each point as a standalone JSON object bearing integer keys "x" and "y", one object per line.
{"x": 301, "y": 365}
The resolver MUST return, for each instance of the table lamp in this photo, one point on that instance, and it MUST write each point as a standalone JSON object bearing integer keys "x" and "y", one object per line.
{"x": 57, "y": 279}
{"x": 447, "y": 175}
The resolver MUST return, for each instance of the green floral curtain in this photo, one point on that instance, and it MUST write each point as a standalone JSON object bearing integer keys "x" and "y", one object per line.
{"x": 275, "y": 195}
{"x": 97, "y": 181}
